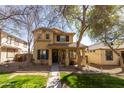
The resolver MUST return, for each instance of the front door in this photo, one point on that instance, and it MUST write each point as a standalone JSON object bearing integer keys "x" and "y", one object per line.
{"x": 55, "y": 56}
{"x": 122, "y": 54}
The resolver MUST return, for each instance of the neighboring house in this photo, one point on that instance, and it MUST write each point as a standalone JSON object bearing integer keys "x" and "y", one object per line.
{"x": 54, "y": 46}
{"x": 102, "y": 55}
{"x": 10, "y": 45}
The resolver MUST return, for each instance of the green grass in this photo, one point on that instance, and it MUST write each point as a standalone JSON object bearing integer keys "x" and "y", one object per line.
{"x": 24, "y": 81}
{"x": 91, "y": 80}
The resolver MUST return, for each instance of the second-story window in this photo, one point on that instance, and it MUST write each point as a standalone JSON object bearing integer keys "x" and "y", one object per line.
{"x": 39, "y": 36}
{"x": 67, "y": 38}
{"x": 58, "y": 38}
{"x": 9, "y": 39}
{"x": 16, "y": 42}
{"x": 63, "y": 38}
{"x": 25, "y": 45}
{"x": 47, "y": 36}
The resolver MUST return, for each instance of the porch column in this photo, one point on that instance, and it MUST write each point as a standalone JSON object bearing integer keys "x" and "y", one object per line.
{"x": 50, "y": 57}
{"x": 84, "y": 59}
{"x": 67, "y": 58}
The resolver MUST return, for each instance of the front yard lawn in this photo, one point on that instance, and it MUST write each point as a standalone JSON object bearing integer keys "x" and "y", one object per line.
{"x": 75, "y": 80}
{"x": 22, "y": 81}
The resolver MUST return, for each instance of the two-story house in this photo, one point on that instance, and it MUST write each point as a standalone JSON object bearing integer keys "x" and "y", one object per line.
{"x": 54, "y": 46}
{"x": 10, "y": 45}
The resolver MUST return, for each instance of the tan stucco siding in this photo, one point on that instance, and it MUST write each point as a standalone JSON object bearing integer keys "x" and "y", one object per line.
{"x": 115, "y": 60}
{"x": 99, "y": 57}
{"x": 6, "y": 56}
{"x": 8, "y": 50}
{"x": 39, "y": 45}
{"x": 12, "y": 44}
{"x": 94, "y": 57}
{"x": 3, "y": 56}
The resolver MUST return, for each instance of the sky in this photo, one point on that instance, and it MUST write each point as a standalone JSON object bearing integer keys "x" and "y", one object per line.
{"x": 85, "y": 40}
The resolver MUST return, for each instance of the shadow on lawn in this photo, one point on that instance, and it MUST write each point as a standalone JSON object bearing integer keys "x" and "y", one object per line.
{"x": 76, "y": 80}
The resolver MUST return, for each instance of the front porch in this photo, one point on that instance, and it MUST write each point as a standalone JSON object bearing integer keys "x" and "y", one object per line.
{"x": 64, "y": 54}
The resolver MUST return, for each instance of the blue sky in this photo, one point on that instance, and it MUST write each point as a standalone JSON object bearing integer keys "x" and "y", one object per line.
{"x": 85, "y": 40}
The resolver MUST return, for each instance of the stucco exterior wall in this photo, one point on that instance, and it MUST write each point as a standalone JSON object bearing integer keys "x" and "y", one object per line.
{"x": 21, "y": 45}
{"x": 99, "y": 57}
{"x": 115, "y": 60}
{"x": 10, "y": 48}
{"x": 43, "y": 44}
{"x": 94, "y": 57}
{"x": 8, "y": 54}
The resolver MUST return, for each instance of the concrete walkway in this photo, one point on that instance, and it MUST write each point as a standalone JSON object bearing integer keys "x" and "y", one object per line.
{"x": 54, "y": 77}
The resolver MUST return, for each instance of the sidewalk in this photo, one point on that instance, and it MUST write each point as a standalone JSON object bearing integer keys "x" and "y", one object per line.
{"x": 54, "y": 77}
{"x": 102, "y": 70}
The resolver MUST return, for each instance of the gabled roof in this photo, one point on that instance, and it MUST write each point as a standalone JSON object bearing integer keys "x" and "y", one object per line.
{"x": 54, "y": 30}
{"x": 58, "y": 31}
{"x": 13, "y": 36}
{"x": 103, "y": 46}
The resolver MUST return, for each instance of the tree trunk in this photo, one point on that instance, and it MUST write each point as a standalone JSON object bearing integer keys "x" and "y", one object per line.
{"x": 0, "y": 46}
{"x": 79, "y": 59}
{"x": 0, "y": 53}
{"x": 29, "y": 53}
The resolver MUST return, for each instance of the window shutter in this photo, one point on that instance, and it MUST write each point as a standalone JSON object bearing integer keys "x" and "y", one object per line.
{"x": 47, "y": 36}
{"x": 47, "y": 54}
{"x": 58, "y": 38}
{"x": 67, "y": 38}
{"x": 38, "y": 54}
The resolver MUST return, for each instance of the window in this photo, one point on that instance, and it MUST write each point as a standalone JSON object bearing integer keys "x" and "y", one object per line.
{"x": 67, "y": 38}
{"x": 109, "y": 55}
{"x": 62, "y": 38}
{"x": 25, "y": 45}
{"x": 10, "y": 53}
{"x": 39, "y": 36}
{"x": 42, "y": 54}
{"x": 38, "y": 54}
{"x": 72, "y": 53}
{"x": 93, "y": 50}
{"x": 47, "y": 36}
{"x": 9, "y": 40}
{"x": 16, "y": 42}
{"x": 58, "y": 38}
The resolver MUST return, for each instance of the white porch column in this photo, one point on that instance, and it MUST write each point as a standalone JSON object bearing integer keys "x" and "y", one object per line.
{"x": 50, "y": 57}
{"x": 67, "y": 58}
